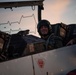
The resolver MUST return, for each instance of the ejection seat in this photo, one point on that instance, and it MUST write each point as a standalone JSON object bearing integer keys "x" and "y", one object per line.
{"x": 71, "y": 34}
{"x": 71, "y": 31}
{"x": 66, "y": 32}
{"x": 60, "y": 29}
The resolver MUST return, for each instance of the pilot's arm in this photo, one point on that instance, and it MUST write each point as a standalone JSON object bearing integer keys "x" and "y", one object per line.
{"x": 71, "y": 42}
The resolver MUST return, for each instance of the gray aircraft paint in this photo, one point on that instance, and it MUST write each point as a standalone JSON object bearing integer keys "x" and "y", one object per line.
{"x": 55, "y": 62}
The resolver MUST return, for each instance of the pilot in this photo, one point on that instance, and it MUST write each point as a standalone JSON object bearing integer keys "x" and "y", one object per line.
{"x": 45, "y": 31}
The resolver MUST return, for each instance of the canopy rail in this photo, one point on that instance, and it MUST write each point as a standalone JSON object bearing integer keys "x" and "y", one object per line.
{"x": 21, "y": 3}
{"x": 38, "y": 3}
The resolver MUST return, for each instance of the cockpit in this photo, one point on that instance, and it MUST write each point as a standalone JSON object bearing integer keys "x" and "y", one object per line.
{"x": 22, "y": 51}
{"x": 15, "y": 35}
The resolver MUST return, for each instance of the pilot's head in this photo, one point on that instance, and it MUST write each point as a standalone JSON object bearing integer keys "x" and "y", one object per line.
{"x": 44, "y": 28}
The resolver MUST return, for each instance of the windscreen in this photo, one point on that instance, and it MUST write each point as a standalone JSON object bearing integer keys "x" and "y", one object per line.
{"x": 13, "y": 20}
